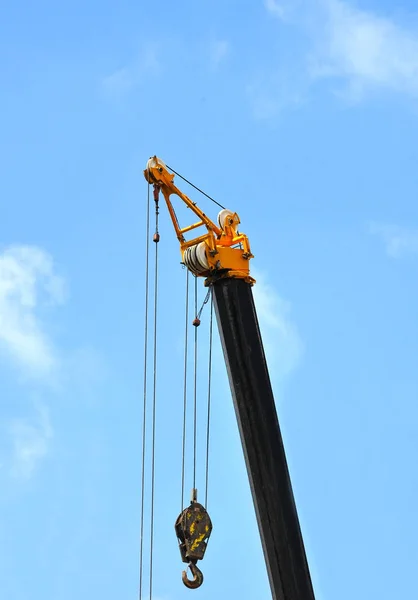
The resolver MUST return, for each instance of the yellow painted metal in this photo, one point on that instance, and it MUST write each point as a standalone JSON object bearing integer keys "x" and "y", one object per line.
{"x": 199, "y": 540}
{"x": 228, "y": 252}
{"x": 190, "y": 227}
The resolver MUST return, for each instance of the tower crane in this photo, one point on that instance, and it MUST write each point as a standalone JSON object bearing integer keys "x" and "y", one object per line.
{"x": 221, "y": 255}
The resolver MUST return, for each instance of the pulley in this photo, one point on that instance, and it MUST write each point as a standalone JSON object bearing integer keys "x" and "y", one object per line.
{"x": 193, "y": 528}
{"x": 195, "y": 259}
{"x": 222, "y": 216}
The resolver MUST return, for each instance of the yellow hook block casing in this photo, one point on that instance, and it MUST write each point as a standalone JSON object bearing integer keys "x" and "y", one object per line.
{"x": 193, "y": 528}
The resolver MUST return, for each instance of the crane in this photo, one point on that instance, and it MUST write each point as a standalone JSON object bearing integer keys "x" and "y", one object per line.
{"x": 221, "y": 255}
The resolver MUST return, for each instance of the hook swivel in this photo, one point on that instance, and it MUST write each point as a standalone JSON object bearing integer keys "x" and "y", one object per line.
{"x": 197, "y": 577}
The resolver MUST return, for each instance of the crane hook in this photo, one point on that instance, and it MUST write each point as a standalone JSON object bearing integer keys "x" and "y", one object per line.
{"x": 197, "y": 577}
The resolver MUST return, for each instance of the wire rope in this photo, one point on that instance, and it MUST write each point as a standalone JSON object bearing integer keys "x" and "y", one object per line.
{"x": 183, "y": 466}
{"x": 154, "y": 401}
{"x": 195, "y": 392}
{"x": 144, "y": 418}
{"x": 196, "y": 188}
{"x": 209, "y": 400}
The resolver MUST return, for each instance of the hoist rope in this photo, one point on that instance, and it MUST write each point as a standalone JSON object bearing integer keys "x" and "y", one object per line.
{"x": 195, "y": 187}
{"x": 205, "y": 301}
{"x": 152, "y": 441}
{"x": 195, "y": 391}
{"x": 154, "y": 406}
{"x": 185, "y": 390}
{"x": 144, "y": 421}
{"x": 209, "y": 397}
{"x": 195, "y": 404}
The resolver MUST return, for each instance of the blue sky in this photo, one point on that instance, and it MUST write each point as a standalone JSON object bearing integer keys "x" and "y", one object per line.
{"x": 302, "y": 116}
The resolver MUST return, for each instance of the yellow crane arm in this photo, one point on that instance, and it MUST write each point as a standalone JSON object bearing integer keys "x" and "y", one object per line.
{"x": 220, "y": 252}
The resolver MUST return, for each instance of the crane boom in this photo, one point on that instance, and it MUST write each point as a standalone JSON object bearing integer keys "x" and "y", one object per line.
{"x": 222, "y": 256}
{"x": 262, "y": 442}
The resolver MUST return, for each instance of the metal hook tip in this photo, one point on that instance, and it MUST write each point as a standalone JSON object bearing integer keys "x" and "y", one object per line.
{"x": 197, "y": 577}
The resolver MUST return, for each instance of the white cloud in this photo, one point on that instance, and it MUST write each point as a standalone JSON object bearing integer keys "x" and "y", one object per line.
{"x": 30, "y": 441}
{"x": 282, "y": 342}
{"x": 399, "y": 241}
{"x": 27, "y": 282}
{"x": 278, "y": 9}
{"x": 365, "y": 51}
{"x": 369, "y": 51}
{"x": 126, "y": 78}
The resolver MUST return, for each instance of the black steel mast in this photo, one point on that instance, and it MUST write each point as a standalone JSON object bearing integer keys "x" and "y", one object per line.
{"x": 262, "y": 442}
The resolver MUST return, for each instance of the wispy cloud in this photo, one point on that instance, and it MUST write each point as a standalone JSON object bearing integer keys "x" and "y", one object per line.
{"x": 399, "y": 241}
{"x": 30, "y": 443}
{"x": 219, "y": 50}
{"x": 271, "y": 93}
{"x": 369, "y": 51}
{"x": 282, "y": 342}
{"x": 27, "y": 282}
{"x": 362, "y": 50}
{"x": 119, "y": 82}
{"x": 128, "y": 77}
{"x": 278, "y": 9}
{"x": 85, "y": 371}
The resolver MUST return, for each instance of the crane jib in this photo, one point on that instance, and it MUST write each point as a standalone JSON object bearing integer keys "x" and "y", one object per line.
{"x": 222, "y": 256}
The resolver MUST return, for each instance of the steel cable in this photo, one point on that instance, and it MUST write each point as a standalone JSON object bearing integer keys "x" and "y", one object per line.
{"x": 154, "y": 406}
{"x": 144, "y": 421}
{"x": 209, "y": 398}
{"x": 185, "y": 389}
{"x": 196, "y": 188}
{"x": 195, "y": 391}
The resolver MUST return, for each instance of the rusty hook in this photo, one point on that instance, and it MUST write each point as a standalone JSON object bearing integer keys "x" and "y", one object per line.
{"x": 197, "y": 577}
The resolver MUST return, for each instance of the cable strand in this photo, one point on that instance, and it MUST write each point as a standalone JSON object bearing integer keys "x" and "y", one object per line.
{"x": 154, "y": 407}
{"x": 144, "y": 417}
{"x": 196, "y": 188}
{"x": 209, "y": 399}
{"x": 205, "y": 301}
{"x": 185, "y": 390}
{"x": 195, "y": 392}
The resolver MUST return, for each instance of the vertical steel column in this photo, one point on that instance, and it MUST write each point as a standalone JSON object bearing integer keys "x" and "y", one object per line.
{"x": 262, "y": 442}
